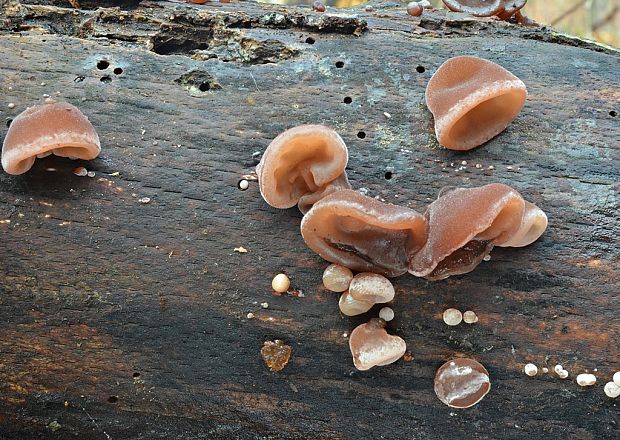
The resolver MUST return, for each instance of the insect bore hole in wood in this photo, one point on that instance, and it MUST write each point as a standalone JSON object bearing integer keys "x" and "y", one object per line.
{"x": 613, "y": 113}
{"x": 340, "y": 64}
{"x": 113, "y": 399}
{"x": 361, "y": 134}
{"x": 103, "y": 64}
{"x": 118, "y": 71}
{"x": 106, "y": 79}
{"x": 347, "y": 100}
{"x": 310, "y": 40}
{"x": 136, "y": 375}
{"x": 388, "y": 175}
{"x": 204, "y": 87}
{"x": 420, "y": 69}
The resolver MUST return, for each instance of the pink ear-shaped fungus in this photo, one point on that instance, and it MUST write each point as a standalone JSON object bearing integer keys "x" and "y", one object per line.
{"x": 364, "y": 234}
{"x": 50, "y": 128}
{"x": 472, "y": 100}
{"x": 464, "y": 225}
{"x": 478, "y": 8}
{"x": 302, "y": 165}
{"x": 372, "y": 346}
{"x": 533, "y": 225}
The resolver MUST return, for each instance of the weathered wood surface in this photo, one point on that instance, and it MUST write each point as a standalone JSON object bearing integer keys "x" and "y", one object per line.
{"x": 135, "y": 314}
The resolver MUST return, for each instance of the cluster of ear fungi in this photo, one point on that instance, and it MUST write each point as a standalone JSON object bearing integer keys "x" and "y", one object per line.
{"x": 50, "y": 128}
{"x": 472, "y": 100}
{"x": 503, "y": 9}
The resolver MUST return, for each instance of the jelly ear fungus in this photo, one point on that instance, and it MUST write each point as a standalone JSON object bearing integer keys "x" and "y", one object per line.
{"x": 472, "y": 100}
{"x": 50, "y": 128}
{"x": 302, "y": 165}
{"x": 364, "y": 234}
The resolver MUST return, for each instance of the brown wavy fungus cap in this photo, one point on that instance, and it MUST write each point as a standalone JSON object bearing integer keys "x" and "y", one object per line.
{"x": 472, "y": 100}
{"x": 301, "y": 166}
{"x": 465, "y": 224}
{"x": 364, "y": 234}
{"x": 50, "y": 128}
{"x": 504, "y": 9}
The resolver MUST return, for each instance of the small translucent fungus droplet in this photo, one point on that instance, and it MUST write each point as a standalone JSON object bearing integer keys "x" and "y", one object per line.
{"x": 243, "y": 184}
{"x": 612, "y": 390}
{"x": 545, "y": 370}
{"x": 337, "y": 278}
{"x": 250, "y": 315}
{"x": 530, "y": 369}
{"x": 586, "y": 379}
{"x": 372, "y": 346}
{"x": 372, "y": 287}
{"x": 470, "y": 317}
{"x": 80, "y": 171}
{"x": 558, "y": 369}
{"x": 414, "y": 9}
{"x": 452, "y": 316}
{"x": 617, "y": 378}
{"x": 275, "y": 354}
{"x": 386, "y": 313}
{"x": 563, "y": 374}
{"x": 461, "y": 383}
{"x": 487, "y": 258}
{"x": 144, "y": 200}
{"x": 318, "y": 6}
{"x": 264, "y": 305}
{"x": 280, "y": 283}
{"x": 11, "y": 105}
{"x": 91, "y": 174}
{"x": 351, "y": 307}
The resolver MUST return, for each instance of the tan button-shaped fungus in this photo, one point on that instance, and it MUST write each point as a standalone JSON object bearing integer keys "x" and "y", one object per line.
{"x": 533, "y": 225}
{"x": 510, "y": 8}
{"x": 461, "y": 383}
{"x": 50, "y": 128}
{"x": 478, "y": 8}
{"x": 364, "y": 234}
{"x": 366, "y": 290}
{"x": 337, "y": 278}
{"x": 305, "y": 162}
{"x": 372, "y": 346}
{"x": 464, "y": 225}
{"x": 472, "y": 100}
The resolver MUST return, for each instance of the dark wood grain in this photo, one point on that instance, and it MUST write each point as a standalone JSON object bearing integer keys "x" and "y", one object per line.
{"x": 135, "y": 314}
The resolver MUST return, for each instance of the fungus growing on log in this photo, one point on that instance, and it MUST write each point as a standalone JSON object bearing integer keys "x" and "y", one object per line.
{"x": 364, "y": 234}
{"x": 50, "y": 128}
{"x": 366, "y": 290}
{"x": 414, "y": 9}
{"x": 465, "y": 224}
{"x": 472, "y": 100}
{"x": 337, "y": 278}
{"x": 372, "y": 346}
{"x": 533, "y": 224}
{"x": 461, "y": 383}
{"x": 503, "y": 9}
{"x": 302, "y": 165}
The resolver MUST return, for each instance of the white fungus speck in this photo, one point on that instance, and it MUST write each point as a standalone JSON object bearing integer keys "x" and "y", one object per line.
{"x": 250, "y": 315}
{"x": 470, "y": 317}
{"x": 91, "y": 174}
{"x": 144, "y": 200}
{"x": 530, "y": 369}
{"x": 264, "y": 305}
{"x": 11, "y": 105}
{"x": 545, "y": 370}
{"x": 617, "y": 378}
{"x": 487, "y": 258}
{"x": 280, "y": 283}
{"x": 452, "y": 316}
{"x": 243, "y": 184}
{"x": 586, "y": 379}
{"x": 612, "y": 390}
{"x": 563, "y": 374}
{"x": 558, "y": 369}
{"x": 464, "y": 163}
{"x": 386, "y": 313}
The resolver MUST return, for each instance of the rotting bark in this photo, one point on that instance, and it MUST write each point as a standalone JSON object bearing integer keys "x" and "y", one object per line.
{"x": 135, "y": 314}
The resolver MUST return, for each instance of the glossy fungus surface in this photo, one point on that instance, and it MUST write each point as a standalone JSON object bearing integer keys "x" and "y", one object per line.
{"x": 461, "y": 383}
{"x": 472, "y": 101}
{"x": 50, "y": 128}
{"x": 337, "y": 278}
{"x": 364, "y": 234}
{"x": 464, "y": 225}
{"x": 371, "y": 345}
{"x": 302, "y": 161}
{"x": 533, "y": 224}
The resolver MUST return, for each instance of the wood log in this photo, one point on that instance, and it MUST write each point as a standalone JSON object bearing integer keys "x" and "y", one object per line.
{"x": 121, "y": 319}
